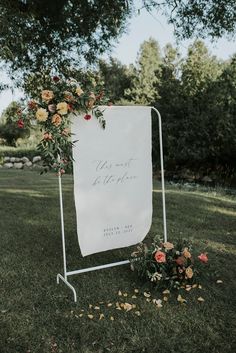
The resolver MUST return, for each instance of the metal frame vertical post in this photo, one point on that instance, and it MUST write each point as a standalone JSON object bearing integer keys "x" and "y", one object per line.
{"x": 162, "y": 174}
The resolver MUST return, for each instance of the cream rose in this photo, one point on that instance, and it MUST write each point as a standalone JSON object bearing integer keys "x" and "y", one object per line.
{"x": 189, "y": 272}
{"x": 47, "y": 95}
{"x": 168, "y": 246}
{"x": 79, "y": 91}
{"x": 41, "y": 114}
{"x": 91, "y": 100}
{"x": 62, "y": 108}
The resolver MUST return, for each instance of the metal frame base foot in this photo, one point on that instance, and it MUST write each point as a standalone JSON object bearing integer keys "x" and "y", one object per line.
{"x": 59, "y": 276}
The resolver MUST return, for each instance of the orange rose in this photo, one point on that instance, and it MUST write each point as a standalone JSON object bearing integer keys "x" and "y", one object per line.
{"x": 160, "y": 257}
{"x": 186, "y": 253}
{"x": 168, "y": 246}
{"x": 47, "y": 95}
{"x": 56, "y": 119}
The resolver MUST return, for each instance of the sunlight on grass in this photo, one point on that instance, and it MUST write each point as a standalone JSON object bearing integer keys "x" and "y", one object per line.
{"x": 222, "y": 210}
{"x": 28, "y": 192}
{"x": 221, "y": 247}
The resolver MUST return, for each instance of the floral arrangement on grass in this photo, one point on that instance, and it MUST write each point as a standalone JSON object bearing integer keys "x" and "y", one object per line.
{"x": 167, "y": 265}
{"x": 52, "y": 111}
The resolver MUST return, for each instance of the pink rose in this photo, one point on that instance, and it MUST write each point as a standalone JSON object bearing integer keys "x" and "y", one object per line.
{"x": 203, "y": 257}
{"x": 180, "y": 260}
{"x": 52, "y": 108}
{"x": 160, "y": 257}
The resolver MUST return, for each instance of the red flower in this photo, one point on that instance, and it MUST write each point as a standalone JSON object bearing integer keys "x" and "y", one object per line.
{"x": 20, "y": 124}
{"x": 160, "y": 256}
{"x": 87, "y": 117}
{"x": 55, "y": 78}
{"x": 70, "y": 107}
{"x": 203, "y": 258}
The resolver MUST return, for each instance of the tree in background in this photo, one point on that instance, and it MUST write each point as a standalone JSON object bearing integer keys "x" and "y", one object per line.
{"x": 170, "y": 104}
{"x": 200, "y": 70}
{"x": 221, "y": 108}
{"x": 146, "y": 74}
{"x": 116, "y": 77}
{"x": 9, "y": 131}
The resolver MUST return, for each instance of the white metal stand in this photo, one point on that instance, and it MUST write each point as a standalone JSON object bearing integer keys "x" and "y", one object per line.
{"x": 70, "y": 273}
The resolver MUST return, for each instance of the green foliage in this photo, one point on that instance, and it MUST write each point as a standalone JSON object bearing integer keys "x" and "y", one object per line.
{"x": 202, "y": 18}
{"x": 146, "y": 73}
{"x": 196, "y": 98}
{"x": 116, "y": 76}
{"x": 198, "y": 108}
{"x": 63, "y": 33}
{"x": 57, "y": 34}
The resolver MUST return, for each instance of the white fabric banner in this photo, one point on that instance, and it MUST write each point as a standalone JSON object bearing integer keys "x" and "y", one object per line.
{"x": 113, "y": 178}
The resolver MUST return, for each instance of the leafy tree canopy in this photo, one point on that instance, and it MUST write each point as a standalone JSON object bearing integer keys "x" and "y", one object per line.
{"x": 58, "y": 34}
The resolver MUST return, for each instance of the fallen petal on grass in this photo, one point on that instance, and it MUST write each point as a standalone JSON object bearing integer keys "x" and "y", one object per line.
{"x": 137, "y": 313}
{"x": 219, "y": 281}
{"x": 166, "y": 291}
{"x": 128, "y": 307}
{"x": 90, "y": 316}
{"x": 147, "y": 295}
{"x": 200, "y": 299}
{"x": 181, "y": 300}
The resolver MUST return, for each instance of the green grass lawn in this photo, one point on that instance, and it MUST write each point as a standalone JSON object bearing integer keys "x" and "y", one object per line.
{"x": 39, "y": 316}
